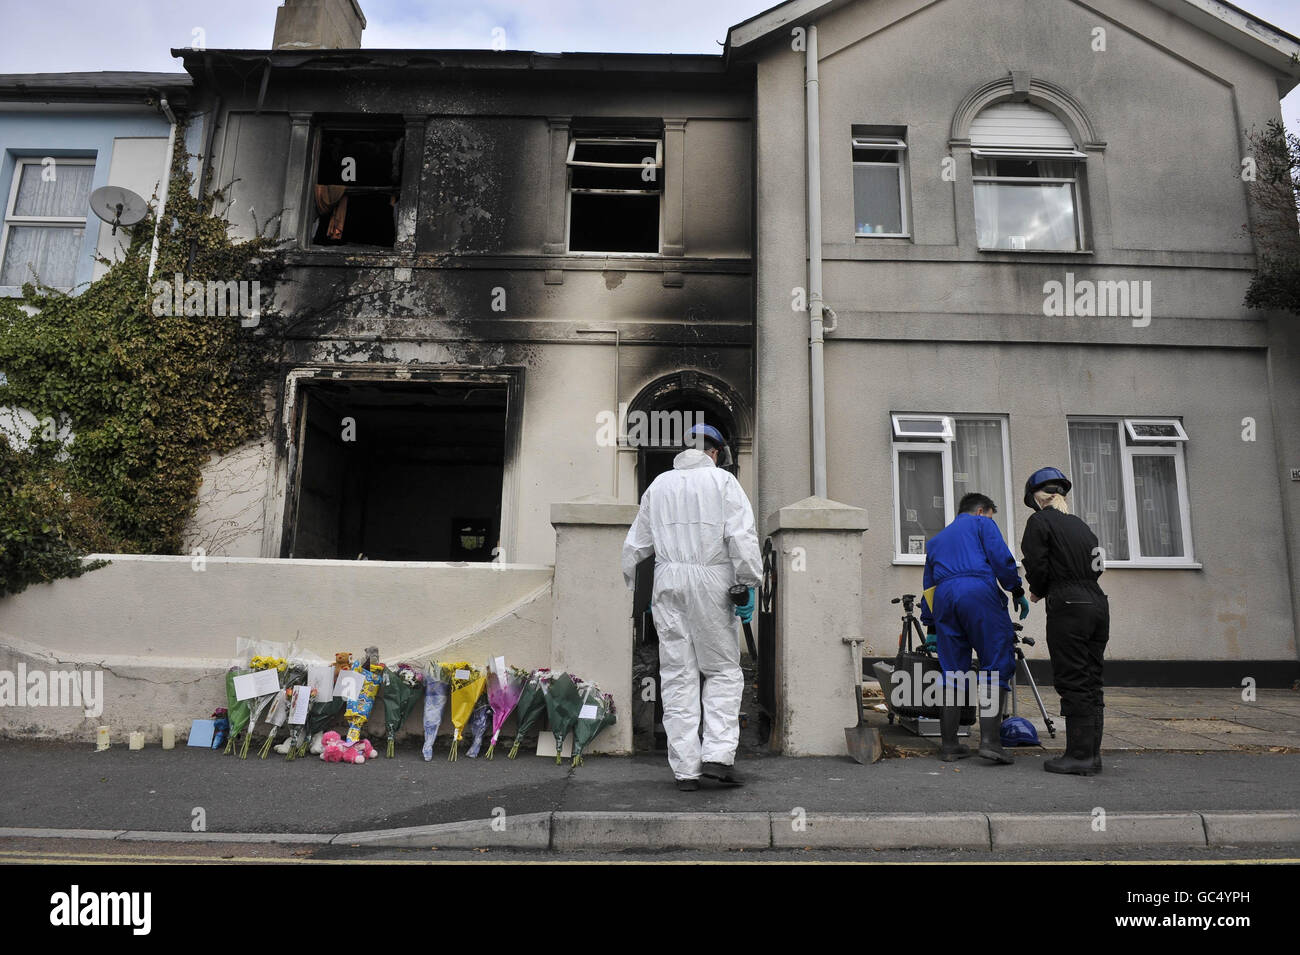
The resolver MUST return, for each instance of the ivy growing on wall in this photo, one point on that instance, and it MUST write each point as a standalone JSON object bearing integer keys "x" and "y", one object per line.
{"x": 129, "y": 401}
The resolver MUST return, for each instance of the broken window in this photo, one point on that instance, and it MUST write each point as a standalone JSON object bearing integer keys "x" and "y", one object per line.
{"x": 615, "y": 192}
{"x": 358, "y": 183}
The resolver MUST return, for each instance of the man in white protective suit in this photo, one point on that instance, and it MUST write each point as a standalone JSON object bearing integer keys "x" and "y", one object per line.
{"x": 697, "y": 522}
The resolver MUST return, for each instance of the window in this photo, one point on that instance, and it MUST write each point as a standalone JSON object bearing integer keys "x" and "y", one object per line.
{"x": 1026, "y": 179}
{"x": 358, "y": 183}
{"x": 879, "y": 192}
{"x": 45, "y": 222}
{"x": 937, "y": 460}
{"x": 1130, "y": 473}
{"x": 615, "y": 191}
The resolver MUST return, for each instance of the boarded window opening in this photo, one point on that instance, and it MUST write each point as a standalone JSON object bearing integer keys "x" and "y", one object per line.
{"x": 400, "y": 471}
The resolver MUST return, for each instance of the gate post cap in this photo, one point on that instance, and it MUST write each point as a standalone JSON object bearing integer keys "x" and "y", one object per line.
{"x": 818, "y": 514}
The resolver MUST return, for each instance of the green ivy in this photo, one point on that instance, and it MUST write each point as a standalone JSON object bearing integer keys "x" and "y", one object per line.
{"x": 148, "y": 398}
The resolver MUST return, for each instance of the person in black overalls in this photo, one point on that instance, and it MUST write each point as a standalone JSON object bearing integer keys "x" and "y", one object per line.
{"x": 1062, "y": 562}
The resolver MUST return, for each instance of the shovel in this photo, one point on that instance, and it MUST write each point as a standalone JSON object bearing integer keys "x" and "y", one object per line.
{"x": 862, "y": 740}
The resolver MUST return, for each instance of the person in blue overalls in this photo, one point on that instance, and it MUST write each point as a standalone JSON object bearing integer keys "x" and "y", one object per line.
{"x": 965, "y": 562}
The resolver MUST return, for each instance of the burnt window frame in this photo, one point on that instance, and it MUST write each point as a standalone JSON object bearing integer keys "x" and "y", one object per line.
{"x": 647, "y": 133}
{"x": 393, "y": 125}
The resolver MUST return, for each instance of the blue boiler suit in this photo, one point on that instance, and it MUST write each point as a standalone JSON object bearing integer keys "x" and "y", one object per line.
{"x": 965, "y": 562}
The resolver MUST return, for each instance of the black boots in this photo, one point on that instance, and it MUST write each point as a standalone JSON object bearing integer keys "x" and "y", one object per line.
{"x": 991, "y": 737}
{"x": 949, "y": 723}
{"x": 1099, "y": 714}
{"x": 1081, "y": 756}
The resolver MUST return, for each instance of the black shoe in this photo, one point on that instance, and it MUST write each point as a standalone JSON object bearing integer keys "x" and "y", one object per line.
{"x": 991, "y": 738}
{"x": 726, "y": 775}
{"x": 1077, "y": 760}
{"x": 688, "y": 785}
{"x": 949, "y": 723}
{"x": 1098, "y": 722}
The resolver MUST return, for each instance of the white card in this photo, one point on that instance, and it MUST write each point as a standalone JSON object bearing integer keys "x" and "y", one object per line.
{"x": 462, "y": 674}
{"x": 588, "y": 712}
{"x": 277, "y": 712}
{"x": 322, "y": 679}
{"x": 301, "y": 701}
{"x": 255, "y": 684}
{"x": 348, "y": 685}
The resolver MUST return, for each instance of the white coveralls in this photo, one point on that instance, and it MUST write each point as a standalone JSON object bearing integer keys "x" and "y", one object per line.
{"x": 697, "y": 522}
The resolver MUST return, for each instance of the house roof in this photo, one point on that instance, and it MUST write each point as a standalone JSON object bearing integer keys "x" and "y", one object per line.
{"x": 109, "y": 86}
{"x": 1229, "y": 23}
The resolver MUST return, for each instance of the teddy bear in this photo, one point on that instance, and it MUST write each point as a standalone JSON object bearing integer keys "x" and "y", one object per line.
{"x": 335, "y": 750}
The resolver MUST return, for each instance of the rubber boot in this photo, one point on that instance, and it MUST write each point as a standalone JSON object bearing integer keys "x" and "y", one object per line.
{"x": 949, "y": 724}
{"x": 1098, "y": 722}
{"x": 991, "y": 738}
{"x": 1077, "y": 758}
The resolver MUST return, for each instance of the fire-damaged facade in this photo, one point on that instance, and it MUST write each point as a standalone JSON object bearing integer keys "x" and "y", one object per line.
{"x": 498, "y": 265}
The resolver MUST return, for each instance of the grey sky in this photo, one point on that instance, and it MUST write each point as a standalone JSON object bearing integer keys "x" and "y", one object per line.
{"x": 67, "y": 35}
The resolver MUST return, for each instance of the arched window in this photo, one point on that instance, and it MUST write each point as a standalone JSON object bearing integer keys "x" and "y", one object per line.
{"x": 1027, "y": 176}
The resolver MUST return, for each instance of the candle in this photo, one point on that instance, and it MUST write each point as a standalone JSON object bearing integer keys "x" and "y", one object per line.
{"x": 101, "y": 739}
{"x": 169, "y": 736}
{"x": 137, "y": 740}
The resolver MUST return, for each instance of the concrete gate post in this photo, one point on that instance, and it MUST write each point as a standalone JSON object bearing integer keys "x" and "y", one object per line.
{"x": 591, "y": 632}
{"x": 819, "y": 603}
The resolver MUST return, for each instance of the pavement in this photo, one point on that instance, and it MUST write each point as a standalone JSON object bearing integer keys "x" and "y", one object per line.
{"x": 1185, "y": 769}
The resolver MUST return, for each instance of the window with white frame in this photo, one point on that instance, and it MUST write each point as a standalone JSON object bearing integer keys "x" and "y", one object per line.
{"x": 1027, "y": 173}
{"x": 879, "y": 186}
{"x": 45, "y": 222}
{"x": 616, "y": 189}
{"x": 1130, "y": 486}
{"x": 937, "y": 460}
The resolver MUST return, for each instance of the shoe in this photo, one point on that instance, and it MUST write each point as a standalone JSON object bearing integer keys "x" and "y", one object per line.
{"x": 949, "y": 749}
{"x": 1077, "y": 760}
{"x": 727, "y": 775}
{"x": 1098, "y": 721}
{"x": 991, "y": 738}
{"x": 688, "y": 785}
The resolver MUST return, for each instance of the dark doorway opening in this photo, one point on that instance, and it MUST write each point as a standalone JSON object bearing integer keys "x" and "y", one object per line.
{"x": 399, "y": 471}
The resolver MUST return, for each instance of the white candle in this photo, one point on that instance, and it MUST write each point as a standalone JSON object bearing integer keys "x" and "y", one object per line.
{"x": 137, "y": 740}
{"x": 101, "y": 739}
{"x": 169, "y": 736}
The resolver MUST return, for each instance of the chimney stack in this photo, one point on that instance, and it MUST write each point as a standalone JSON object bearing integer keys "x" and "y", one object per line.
{"x": 318, "y": 25}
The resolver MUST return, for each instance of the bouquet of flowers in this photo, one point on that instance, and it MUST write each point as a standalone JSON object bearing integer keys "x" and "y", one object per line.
{"x": 319, "y": 718}
{"x": 503, "y": 691}
{"x": 259, "y": 705}
{"x": 563, "y": 702}
{"x": 294, "y": 675}
{"x": 358, "y": 710}
{"x": 237, "y": 711}
{"x": 437, "y": 691}
{"x": 595, "y": 713}
{"x": 466, "y": 687}
{"x": 531, "y": 706}
{"x": 479, "y": 721}
{"x": 402, "y": 687}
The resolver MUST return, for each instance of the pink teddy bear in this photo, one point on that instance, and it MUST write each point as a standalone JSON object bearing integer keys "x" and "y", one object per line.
{"x": 335, "y": 750}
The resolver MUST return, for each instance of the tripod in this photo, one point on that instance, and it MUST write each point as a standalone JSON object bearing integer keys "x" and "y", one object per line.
{"x": 1016, "y": 640}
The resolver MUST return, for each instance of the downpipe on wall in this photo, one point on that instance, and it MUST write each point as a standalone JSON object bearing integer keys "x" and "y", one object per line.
{"x": 165, "y": 108}
{"x": 816, "y": 339}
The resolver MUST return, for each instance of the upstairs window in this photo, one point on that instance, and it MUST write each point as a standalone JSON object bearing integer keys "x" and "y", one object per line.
{"x": 358, "y": 183}
{"x": 45, "y": 222}
{"x": 616, "y": 189}
{"x": 879, "y": 189}
{"x": 1027, "y": 173}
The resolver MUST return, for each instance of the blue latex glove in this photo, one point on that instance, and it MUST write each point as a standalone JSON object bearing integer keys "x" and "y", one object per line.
{"x": 1023, "y": 604}
{"x": 745, "y": 611}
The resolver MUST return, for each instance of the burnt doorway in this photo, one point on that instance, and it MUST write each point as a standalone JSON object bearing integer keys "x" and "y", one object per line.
{"x": 399, "y": 470}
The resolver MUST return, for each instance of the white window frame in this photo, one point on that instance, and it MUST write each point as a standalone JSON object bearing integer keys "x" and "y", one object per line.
{"x": 11, "y": 220}
{"x": 943, "y": 446}
{"x": 1076, "y": 160}
{"x": 1128, "y": 449}
{"x": 570, "y": 163}
{"x": 904, "y": 221}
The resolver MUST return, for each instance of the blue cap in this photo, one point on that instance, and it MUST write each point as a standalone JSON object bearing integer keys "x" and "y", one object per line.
{"x": 1018, "y": 731}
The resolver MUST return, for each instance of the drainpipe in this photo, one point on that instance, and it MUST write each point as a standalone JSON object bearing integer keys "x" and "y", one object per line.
{"x": 816, "y": 358}
{"x": 166, "y": 109}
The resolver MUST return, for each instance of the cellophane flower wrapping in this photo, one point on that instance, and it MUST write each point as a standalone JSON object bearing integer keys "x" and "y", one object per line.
{"x": 237, "y": 711}
{"x": 479, "y": 722}
{"x": 271, "y": 660}
{"x": 503, "y": 695}
{"x": 595, "y": 713}
{"x": 563, "y": 702}
{"x": 467, "y": 685}
{"x": 403, "y": 685}
{"x": 437, "y": 693}
{"x": 293, "y": 675}
{"x": 358, "y": 710}
{"x": 531, "y": 706}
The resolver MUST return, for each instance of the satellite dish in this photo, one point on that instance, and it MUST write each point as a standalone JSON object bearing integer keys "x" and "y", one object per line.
{"x": 118, "y": 205}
